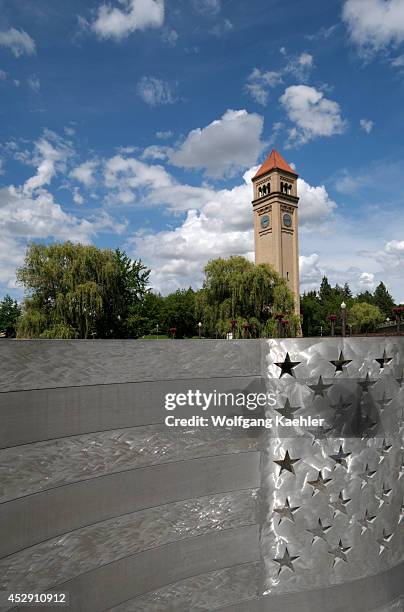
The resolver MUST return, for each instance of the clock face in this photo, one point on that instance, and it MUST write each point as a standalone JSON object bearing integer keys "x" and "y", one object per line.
{"x": 287, "y": 220}
{"x": 265, "y": 221}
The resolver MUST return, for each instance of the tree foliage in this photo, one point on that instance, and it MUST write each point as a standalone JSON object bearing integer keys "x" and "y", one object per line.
{"x": 237, "y": 290}
{"x": 9, "y": 313}
{"x": 316, "y": 307}
{"x": 364, "y": 317}
{"x": 79, "y": 291}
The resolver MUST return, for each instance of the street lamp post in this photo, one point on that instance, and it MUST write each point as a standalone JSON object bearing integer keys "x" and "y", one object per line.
{"x": 343, "y": 319}
{"x": 199, "y": 329}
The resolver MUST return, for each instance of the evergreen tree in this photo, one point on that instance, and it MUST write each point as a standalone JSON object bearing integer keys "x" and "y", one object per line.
{"x": 383, "y": 300}
{"x": 325, "y": 290}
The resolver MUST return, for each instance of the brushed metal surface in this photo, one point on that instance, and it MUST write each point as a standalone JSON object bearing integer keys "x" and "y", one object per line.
{"x": 38, "y": 568}
{"x": 38, "y": 364}
{"x": 202, "y": 592}
{"x": 90, "y": 479}
{"x": 41, "y": 516}
{"x": 354, "y": 596}
{"x": 46, "y": 465}
{"x": 347, "y": 492}
{"x": 46, "y": 414}
{"x": 111, "y": 584}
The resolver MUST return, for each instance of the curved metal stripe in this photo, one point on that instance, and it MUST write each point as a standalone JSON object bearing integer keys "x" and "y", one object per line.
{"x": 34, "y": 364}
{"x": 362, "y": 595}
{"x": 46, "y": 414}
{"x": 41, "y": 516}
{"x": 109, "y": 585}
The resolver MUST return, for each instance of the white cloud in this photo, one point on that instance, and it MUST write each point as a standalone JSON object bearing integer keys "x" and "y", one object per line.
{"x": 367, "y": 281}
{"x": 170, "y": 37}
{"x": 259, "y": 83}
{"x": 315, "y": 207}
{"x": 310, "y": 272}
{"x": 164, "y": 135}
{"x": 222, "y": 27}
{"x": 155, "y": 91}
{"x": 225, "y": 146}
{"x": 300, "y": 66}
{"x": 155, "y": 152}
{"x": 18, "y": 41}
{"x": 374, "y": 24}
{"x": 77, "y": 197}
{"x": 398, "y": 62}
{"x": 391, "y": 257}
{"x": 34, "y": 83}
{"x": 84, "y": 173}
{"x": 207, "y": 7}
{"x": 117, "y": 23}
{"x": 49, "y": 158}
{"x": 312, "y": 113}
{"x": 130, "y": 179}
{"x": 366, "y": 125}
{"x": 3, "y": 75}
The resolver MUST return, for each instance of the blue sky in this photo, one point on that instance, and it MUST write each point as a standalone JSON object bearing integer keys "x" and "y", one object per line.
{"x": 139, "y": 123}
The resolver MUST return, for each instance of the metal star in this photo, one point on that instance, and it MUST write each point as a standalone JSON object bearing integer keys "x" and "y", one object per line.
{"x": 366, "y": 475}
{"x": 365, "y": 521}
{"x": 384, "y": 360}
{"x": 384, "y": 541}
{"x": 340, "y": 457}
{"x": 287, "y": 366}
{"x": 320, "y": 531}
{"x": 341, "y": 407}
{"x": 286, "y": 463}
{"x": 339, "y": 504}
{"x": 384, "y": 401}
{"x": 286, "y": 561}
{"x": 384, "y": 498}
{"x": 401, "y": 379}
{"x": 320, "y": 387}
{"x": 340, "y": 362}
{"x": 287, "y": 411}
{"x": 286, "y": 512}
{"x": 319, "y": 484}
{"x": 339, "y": 553}
{"x": 383, "y": 450}
{"x": 401, "y": 517}
{"x": 365, "y": 384}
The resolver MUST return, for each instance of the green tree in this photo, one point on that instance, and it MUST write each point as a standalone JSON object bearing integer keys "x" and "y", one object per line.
{"x": 312, "y": 313}
{"x": 383, "y": 300}
{"x": 325, "y": 291}
{"x": 365, "y": 296}
{"x": 237, "y": 290}
{"x": 9, "y": 313}
{"x": 78, "y": 291}
{"x": 179, "y": 311}
{"x": 364, "y": 317}
{"x": 144, "y": 318}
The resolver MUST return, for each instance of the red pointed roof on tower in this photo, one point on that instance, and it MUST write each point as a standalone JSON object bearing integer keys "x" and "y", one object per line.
{"x": 274, "y": 160}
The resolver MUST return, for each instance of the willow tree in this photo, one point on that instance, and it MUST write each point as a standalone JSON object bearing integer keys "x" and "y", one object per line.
{"x": 240, "y": 296}
{"x": 78, "y": 291}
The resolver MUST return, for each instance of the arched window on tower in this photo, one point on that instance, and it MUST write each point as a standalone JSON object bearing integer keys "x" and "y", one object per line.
{"x": 268, "y": 187}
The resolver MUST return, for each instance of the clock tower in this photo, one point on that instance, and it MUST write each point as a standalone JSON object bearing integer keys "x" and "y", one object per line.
{"x": 275, "y": 220}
